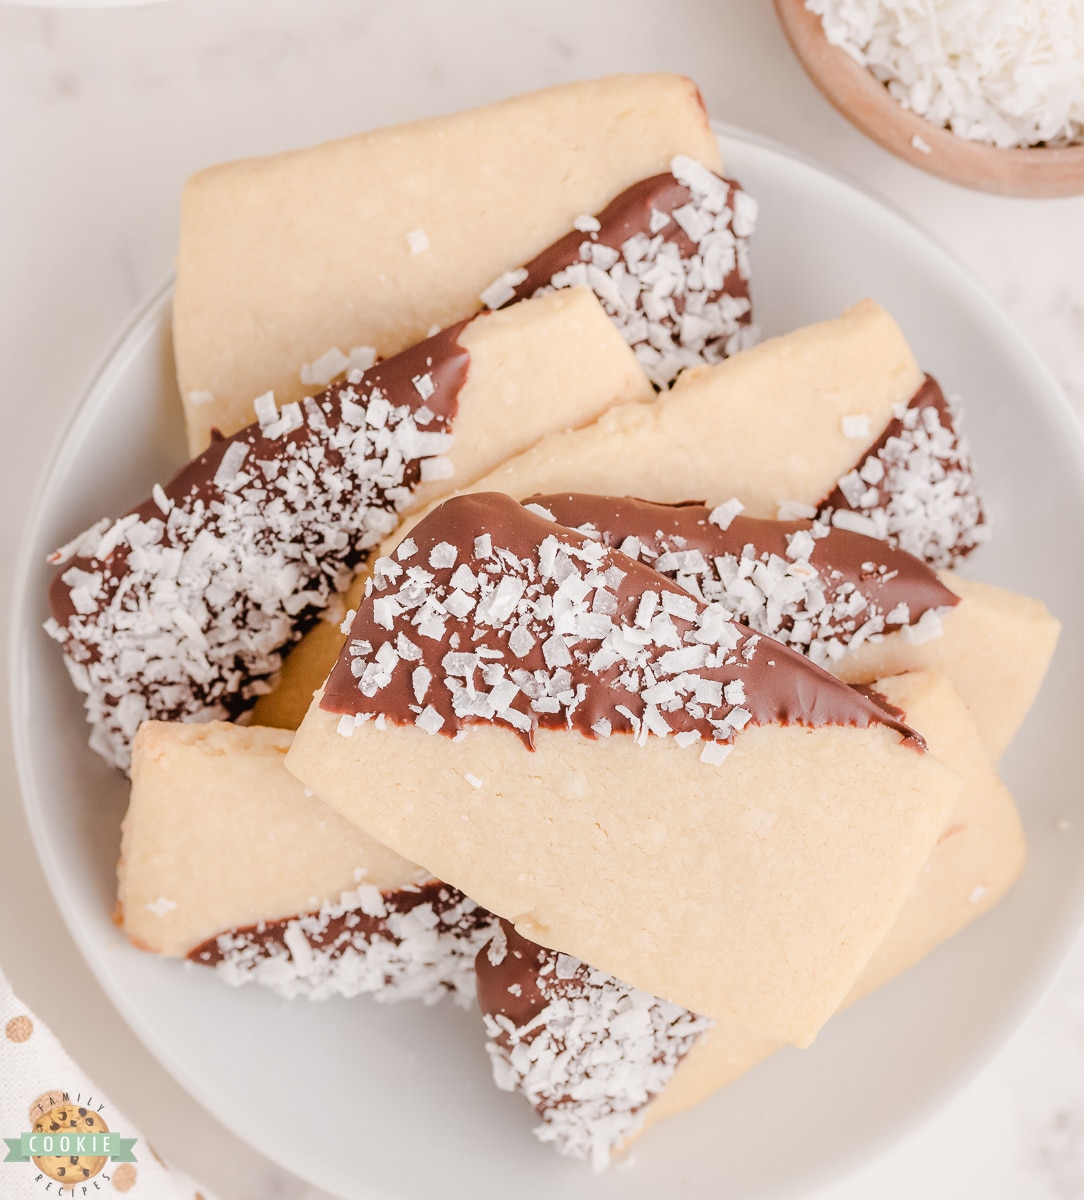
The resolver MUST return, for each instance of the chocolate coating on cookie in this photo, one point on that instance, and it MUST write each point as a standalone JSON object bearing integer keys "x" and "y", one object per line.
{"x": 410, "y": 943}
{"x": 489, "y": 612}
{"x": 818, "y": 589}
{"x": 668, "y": 260}
{"x": 587, "y": 1051}
{"x": 915, "y": 485}
{"x": 183, "y": 607}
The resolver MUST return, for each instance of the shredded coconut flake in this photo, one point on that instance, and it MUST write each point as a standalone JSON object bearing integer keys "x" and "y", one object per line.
{"x": 723, "y": 514}
{"x": 916, "y": 487}
{"x": 1007, "y": 72}
{"x": 715, "y": 753}
{"x": 266, "y": 410}
{"x": 363, "y": 357}
{"x": 503, "y": 289}
{"x": 324, "y": 369}
{"x": 555, "y": 596}
{"x": 857, "y": 426}
{"x": 675, "y": 307}
{"x": 593, "y": 1058}
{"x": 182, "y": 609}
{"x": 422, "y": 948}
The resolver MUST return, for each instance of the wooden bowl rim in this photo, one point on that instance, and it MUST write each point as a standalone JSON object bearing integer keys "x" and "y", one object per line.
{"x": 1034, "y": 171}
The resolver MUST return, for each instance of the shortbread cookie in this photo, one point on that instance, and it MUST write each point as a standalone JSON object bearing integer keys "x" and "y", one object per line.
{"x": 977, "y": 859}
{"x": 799, "y": 807}
{"x": 227, "y": 860}
{"x": 980, "y": 852}
{"x": 767, "y": 426}
{"x": 668, "y": 259}
{"x": 373, "y": 240}
{"x": 834, "y": 419}
{"x": 588, "y": 1052}
{"x": 594, "y": 1091}
{"x": 182, "y": 609}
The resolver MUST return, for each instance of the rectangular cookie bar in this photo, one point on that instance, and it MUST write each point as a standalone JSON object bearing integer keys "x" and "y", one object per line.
{"x": 765, "y": 426}
{"x": 372, "y": 240}
{"x": 784, "y": 805}
{"x": 228, "y": 861}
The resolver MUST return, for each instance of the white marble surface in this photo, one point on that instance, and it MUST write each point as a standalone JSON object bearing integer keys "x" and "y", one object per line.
{"x": 105, "y": 113}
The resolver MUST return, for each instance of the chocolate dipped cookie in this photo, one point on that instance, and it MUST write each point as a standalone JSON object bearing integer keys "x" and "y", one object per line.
{"x": 184, "y": 608}
{"x": 228, "y": 861}
{"x": 380, "y": 237}
{"x": 520, "y": 701}
{"x": 857, "y": 606}
{"x": 834, "y": 419}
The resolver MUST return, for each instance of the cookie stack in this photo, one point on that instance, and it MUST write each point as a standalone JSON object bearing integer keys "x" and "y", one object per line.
{"x": 668, "y": 780}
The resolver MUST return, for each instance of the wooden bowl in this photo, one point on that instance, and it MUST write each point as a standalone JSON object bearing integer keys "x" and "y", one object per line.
{"x": 867, "y": 104}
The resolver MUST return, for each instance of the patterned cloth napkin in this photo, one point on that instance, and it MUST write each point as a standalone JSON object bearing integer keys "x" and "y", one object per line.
{"x": 97, "y": 1151}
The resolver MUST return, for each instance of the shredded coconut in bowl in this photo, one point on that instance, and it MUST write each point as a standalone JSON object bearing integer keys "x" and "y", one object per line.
{"x": 1006, "y": 72}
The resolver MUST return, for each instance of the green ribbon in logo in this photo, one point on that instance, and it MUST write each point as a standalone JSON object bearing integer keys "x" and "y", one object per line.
{"x": 86, "y": 1145}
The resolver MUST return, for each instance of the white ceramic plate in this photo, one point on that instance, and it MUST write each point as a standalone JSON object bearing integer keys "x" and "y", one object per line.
{"x": 407, "y": 1088}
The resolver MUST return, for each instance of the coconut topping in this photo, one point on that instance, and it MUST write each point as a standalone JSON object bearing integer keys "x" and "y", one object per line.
{"x": 821, "y": 590}
{"x": 588, "y": 1051}
{"x": 915, "y": 486}
{"x": 1005, "y": 72}
{"x": 331, "y": 363}
{"x": 490, "y": 613}
{"x": 668, "y": 260}
{"x": 181, "y": 610}
{"x": 414, "y": 943}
